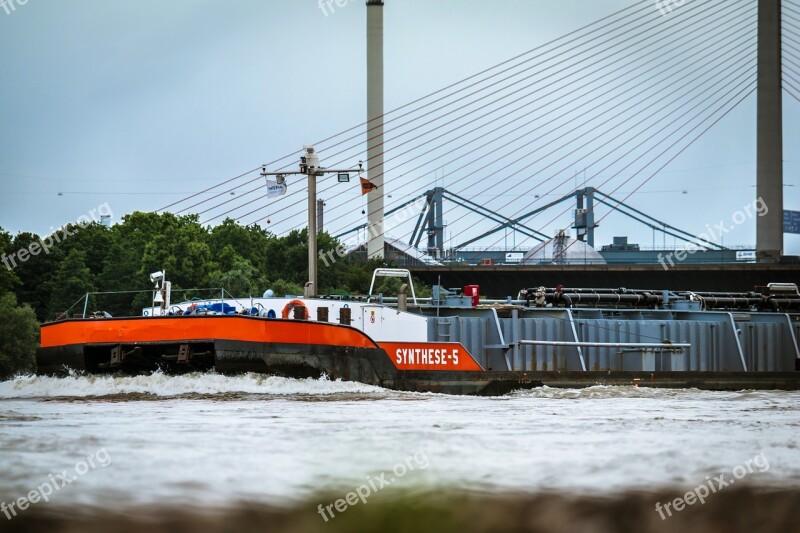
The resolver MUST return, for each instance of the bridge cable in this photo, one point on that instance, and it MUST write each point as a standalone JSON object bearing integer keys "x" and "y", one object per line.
{"x": 640, "y": 41}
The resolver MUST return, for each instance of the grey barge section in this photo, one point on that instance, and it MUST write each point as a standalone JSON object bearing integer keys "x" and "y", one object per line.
{"x": 720, "y": 342}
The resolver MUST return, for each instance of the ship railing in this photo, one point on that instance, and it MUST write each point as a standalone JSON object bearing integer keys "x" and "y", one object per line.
{"x": 83, "y": 302}
{"x": 660, "y": 346}
{"x": 392, "y": 273}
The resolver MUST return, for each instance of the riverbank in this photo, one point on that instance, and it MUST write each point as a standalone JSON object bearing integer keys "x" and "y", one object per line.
{"x": 736, "y": 510}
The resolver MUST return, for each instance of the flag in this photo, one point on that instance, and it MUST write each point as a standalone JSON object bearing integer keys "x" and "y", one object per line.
{"x": 275, "y": 189}
{"x": 367, "y": 186}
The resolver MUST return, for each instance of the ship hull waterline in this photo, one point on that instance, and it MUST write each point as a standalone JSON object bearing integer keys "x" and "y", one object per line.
{"x": 308, "y": 349}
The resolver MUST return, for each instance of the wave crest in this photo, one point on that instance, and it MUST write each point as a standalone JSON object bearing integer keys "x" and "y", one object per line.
{"x": 163, "y": 385}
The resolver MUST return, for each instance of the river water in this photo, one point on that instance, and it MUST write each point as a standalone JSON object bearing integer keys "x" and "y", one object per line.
{"x": 216, "y": 441}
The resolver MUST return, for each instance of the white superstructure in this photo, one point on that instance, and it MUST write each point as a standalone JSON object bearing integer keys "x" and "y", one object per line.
{"x": 380, "y": 322}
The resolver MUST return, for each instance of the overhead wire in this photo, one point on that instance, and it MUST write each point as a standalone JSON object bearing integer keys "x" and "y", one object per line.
{"x": 359, "y": 145}
{"x": 672, "y": 134}
{"x": 570, "y": 36}
{"x": 546, "y": 180}
{"x": 645, "y": 167}
{"x": 387, "y": 149}
{"x": 608, "y": 48}
{"x": 791, "y": 78}
{"x": 678, "y": 153}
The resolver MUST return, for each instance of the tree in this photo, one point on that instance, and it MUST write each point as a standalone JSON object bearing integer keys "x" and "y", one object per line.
{"x": 245, "y": 260}
{"x": 95, "y": 240}
{"x": 36, "y": 270}
{"x": 19, "y": 336}
{"x": 8, "y": 279}
{"x": 282, "y": 288}
{"x": 71, "y": 280}
{"x": 287, "y": 257}
{"x": 122, "y": 267}
{"x": 180, "y": 248}
{"x": 241, "y": 279}
{"x": 249, "y": 242}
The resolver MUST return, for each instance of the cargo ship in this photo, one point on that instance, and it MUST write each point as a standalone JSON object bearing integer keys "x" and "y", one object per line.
{"x": 454, "y": 342}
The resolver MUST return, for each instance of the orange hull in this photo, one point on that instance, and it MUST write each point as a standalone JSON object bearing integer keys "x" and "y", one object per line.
{"x": 293, "y": 348}
{"x": 178, "y": 329}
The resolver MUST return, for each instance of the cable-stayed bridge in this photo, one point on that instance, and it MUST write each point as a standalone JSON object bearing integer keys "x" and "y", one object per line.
{"x": 608, "y": 107}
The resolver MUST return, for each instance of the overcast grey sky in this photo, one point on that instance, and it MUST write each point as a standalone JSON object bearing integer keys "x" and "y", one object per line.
{"x": 139, "y": 103}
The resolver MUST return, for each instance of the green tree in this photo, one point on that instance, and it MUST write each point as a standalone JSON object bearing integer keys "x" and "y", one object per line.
{"x": 8, "y": 278}
{"x": 71, "y": 280}
{"x": 95, "y": 240}
{"x": 19, "y": 336}
{"x": 282, "y": 287}
{"x": 36, "y": 270}
{"x": 179, "y": 248}
{"x": 245, "y": 260}
{"x": 122, "y": 267}
{"x": 241, "y": 279}
{"x": 246, "y": 241}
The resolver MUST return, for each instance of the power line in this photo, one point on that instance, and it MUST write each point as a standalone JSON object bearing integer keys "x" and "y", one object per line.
{"x": 652, "y": 114}
{"x": 742, "y": 99}
{"x": 602, "y": 51}
{"x": 672, "y": 134}
{"x": 209, "y": 189}
{"x": 630, "y": 151}
{"x": 569, "y": 36}
{"x": 657, "y": 156}
{"x": 495, "y": 91}
{"x": 688, "y": 122}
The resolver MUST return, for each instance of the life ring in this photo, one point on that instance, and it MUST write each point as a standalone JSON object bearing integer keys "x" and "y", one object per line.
{"x": 291, "y": 305}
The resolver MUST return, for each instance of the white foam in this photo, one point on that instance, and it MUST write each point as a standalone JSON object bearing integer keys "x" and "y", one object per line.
{"x": 159, "y": 384}
{"x": 598, "y": 392}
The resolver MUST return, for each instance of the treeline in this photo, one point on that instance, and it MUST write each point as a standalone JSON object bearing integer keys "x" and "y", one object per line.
{"x": 41, "y": 278}
{"x": 245, "y": 260}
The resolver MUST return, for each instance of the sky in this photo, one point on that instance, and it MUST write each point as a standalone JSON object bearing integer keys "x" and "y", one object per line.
{"x": 139, "y": 104}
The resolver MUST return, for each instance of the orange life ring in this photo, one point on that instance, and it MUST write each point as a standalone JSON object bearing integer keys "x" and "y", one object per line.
{"x": 291, "y": 305}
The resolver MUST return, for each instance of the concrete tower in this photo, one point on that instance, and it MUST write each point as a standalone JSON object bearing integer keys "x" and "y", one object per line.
{"x": 769, "y": 180}
{"x": 375, "y": 126}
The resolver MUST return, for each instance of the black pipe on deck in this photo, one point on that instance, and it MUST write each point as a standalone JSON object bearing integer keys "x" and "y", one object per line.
{"x": 502, "y": 281}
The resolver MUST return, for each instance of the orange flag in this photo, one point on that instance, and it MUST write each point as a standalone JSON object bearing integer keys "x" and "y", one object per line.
{"x": 367, "y": 186}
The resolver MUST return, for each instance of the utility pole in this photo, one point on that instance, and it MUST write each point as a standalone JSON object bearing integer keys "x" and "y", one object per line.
{"x": 312, "y": 162}
{"x": 310, "y": 167}
{"x": 320, "y": 215}
{"x": 769, "y": 171}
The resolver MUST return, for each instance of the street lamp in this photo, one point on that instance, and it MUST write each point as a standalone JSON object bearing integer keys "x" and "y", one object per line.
{"x": 310, "y": 166}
